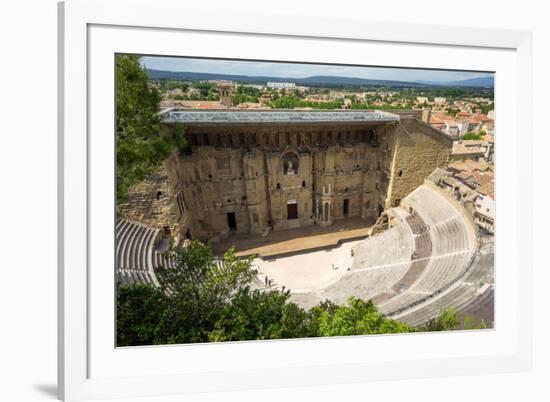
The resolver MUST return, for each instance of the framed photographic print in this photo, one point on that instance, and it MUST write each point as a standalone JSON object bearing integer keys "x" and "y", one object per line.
{"x": 245, "y": 204}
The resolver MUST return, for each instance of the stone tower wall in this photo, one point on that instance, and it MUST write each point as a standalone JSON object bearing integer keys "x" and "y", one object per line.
{"x": 419, "y": 149}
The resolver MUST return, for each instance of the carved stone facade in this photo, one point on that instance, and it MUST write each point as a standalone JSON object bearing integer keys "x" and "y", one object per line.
{"x": 250, "y": 178}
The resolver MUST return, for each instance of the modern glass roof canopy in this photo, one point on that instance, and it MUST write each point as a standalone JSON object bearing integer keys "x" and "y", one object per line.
{"x": 275, "y": 116}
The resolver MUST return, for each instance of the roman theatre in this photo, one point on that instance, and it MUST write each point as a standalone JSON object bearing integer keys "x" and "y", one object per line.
{"x": 329, "y": 204}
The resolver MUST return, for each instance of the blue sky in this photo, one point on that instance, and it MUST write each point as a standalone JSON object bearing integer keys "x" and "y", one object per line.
{"x": 292, "y": 70}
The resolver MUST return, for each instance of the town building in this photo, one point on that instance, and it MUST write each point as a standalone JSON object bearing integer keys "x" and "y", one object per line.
{"x": 468, "y": 149}
{"x": 485, "y": 213}
{"x": 281, "y": 85}
{"x": 477, "y": 200}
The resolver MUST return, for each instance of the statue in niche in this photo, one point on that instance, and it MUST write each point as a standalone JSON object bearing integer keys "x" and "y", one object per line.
{"x": 290, "y": 165}
{"x": 290, "y": 168}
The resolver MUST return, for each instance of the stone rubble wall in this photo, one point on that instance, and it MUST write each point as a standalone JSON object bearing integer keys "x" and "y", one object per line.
{"x": 151, "y": 202}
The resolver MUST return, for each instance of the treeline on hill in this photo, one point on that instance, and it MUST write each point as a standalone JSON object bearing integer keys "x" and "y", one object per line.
{"x": 204, "y": 301}
{"x": 245, "y": 94}
{"x": 380, "y": 107}
{"x": 291, "y": 102}
{"x": 140, "y": 149}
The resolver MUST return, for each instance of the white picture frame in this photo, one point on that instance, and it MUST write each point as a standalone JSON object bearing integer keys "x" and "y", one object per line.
{"x": 88, "y": 29}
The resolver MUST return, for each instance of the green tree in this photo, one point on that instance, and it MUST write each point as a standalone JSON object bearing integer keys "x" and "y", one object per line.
{"x": 197, "y": 291}
{"x": 260, "y": 315}
{"x": 203, "y": 87}
{"x": 452, "y": 111}
{"x": 289, "y": 102}
{"x": 485, "y": 108}
{"x": 140, "y": 148}
{"x": 446, "y": 320}
{"x": 359, "y": 318}
{"x": 468, "y": 323}
{"x": 473, "y": 135}
{"x": 199, "y": 274}
{"x": 140, "y": 309}
{"x": 137, "y": 104}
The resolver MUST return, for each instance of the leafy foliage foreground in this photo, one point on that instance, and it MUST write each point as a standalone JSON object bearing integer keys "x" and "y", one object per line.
{"x": 204, "y": 300}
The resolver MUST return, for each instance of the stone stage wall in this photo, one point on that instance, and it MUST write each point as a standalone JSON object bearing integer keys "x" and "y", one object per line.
{"x": 253, "y": 178}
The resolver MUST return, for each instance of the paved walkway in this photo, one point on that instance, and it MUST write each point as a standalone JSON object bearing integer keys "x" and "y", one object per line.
{"x": 308, "y": 271}
{"x": 295, "y": 241}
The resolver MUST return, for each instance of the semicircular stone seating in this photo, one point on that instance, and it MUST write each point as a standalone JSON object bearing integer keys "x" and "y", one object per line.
{"x": 453, "y": 244}
{"x": 415, "y": 268}
{"x": 135, "y": 254}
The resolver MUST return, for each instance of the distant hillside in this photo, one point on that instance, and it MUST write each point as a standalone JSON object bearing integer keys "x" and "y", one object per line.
{"x": 480, "y": 82}
{"x": 307, "y": 81}
{"x": 476, "y": 82}
{"x": 351, "y": 81}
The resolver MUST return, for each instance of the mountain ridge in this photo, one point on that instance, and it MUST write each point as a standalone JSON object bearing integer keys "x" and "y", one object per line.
{"x": 317, "y": 80}
{"x": 479, "y": 82}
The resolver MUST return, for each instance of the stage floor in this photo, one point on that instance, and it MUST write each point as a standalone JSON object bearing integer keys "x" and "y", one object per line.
{"x": 296, "y": 241}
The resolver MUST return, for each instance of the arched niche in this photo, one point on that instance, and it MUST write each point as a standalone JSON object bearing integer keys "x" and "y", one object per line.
{"x": 291, "y": 164}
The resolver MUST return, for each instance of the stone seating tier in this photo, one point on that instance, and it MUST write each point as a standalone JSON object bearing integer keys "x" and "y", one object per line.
{"x": 396, "y": 242}
{"x": 459, "y": 296}
{"x": 136, "y": 256}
